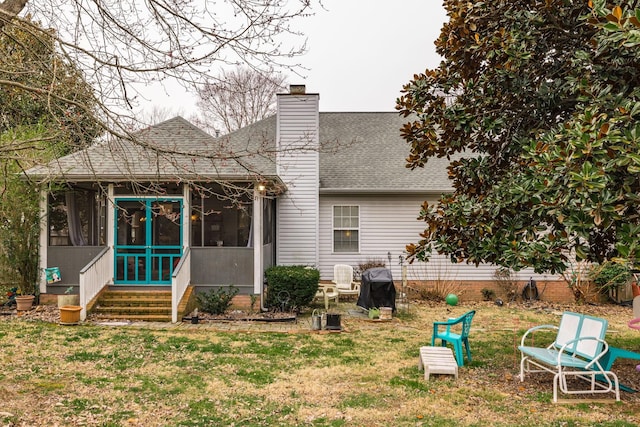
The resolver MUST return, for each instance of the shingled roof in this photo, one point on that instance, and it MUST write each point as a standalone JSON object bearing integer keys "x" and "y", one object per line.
{"x": 172, "y": 150}
{"x": 372, "y": 157}
{"x": 360, "y": 152}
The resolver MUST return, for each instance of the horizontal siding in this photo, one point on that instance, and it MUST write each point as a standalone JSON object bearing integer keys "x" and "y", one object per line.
{"x": 298, "y": 167}
{"x": 387, "y": 225}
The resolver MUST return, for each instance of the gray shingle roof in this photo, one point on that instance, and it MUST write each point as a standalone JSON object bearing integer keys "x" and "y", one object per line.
{"x": 361, "y": 152}
{"x": 182, "y": 151}
{"x": 372, "y": 156}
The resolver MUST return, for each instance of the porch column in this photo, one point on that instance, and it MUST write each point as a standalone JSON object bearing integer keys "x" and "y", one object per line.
{"x": 186, "y": 215}
{"x": 110, "y": 216}
{"x": 257, "y": 243}
{"x": 44, "y": 238}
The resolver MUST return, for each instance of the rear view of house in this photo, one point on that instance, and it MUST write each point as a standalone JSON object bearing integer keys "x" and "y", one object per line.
{"x": 178, "y": 210}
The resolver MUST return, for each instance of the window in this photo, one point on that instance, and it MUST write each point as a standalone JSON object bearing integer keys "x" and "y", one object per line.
{"x": 346, "y": 225}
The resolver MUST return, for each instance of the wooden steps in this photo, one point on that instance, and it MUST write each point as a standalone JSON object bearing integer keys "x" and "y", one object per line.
{"x": 150, "y": 306}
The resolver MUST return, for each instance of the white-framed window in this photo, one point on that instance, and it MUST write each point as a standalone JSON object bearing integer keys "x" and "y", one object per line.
{"x": 346, "y": 228}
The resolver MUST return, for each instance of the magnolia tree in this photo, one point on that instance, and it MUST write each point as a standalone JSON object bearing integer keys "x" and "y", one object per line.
{"x": 537, "y": 104}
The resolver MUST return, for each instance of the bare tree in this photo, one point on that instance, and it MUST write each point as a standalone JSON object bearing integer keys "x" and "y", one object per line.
{"x": 238, "y": 98}
{"x": 122, "y": 46}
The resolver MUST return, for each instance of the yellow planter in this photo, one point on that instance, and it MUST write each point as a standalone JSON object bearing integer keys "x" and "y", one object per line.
{"x": 70, "y": 314}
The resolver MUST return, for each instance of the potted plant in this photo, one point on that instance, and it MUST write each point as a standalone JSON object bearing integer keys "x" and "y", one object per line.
{"x": 19, "y": 232}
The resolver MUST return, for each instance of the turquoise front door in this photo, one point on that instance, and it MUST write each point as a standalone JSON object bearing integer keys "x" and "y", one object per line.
{"x": 148, "y": 238}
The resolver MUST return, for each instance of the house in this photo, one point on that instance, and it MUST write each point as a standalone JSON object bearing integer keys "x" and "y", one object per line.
{"x": 178, "y": 209}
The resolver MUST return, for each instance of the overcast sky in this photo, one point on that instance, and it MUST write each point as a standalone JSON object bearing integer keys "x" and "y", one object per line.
{"x": 360, "y": 53}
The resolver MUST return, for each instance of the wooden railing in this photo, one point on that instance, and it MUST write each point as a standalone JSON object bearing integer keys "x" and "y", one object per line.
{"x": 93, "y": 277}
{"x": 179, "y": 282}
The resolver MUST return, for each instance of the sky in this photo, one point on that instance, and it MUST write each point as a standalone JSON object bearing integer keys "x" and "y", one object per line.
{"x": 360, "y": 54}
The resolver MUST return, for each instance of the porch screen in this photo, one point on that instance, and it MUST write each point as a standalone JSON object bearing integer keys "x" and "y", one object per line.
{"x": 220, "y": 219}
{"x": 77, "y": 218}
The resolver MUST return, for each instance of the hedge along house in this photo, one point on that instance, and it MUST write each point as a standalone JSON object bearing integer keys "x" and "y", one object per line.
{"x": 181, "y": 210}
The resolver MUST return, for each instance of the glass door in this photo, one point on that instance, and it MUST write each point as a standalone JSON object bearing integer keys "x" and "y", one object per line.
{"x": 148, "y": 240}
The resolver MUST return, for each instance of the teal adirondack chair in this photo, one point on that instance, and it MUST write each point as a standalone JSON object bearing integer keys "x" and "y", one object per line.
{"x": 456, "y": 339}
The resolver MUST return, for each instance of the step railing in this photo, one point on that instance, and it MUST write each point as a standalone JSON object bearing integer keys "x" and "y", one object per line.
{"x": 180, "y": 282}
{"x": 95, "y": 276}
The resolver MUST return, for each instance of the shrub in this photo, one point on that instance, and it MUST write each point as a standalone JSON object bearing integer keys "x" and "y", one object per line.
{"x": 507, "y": 281}
{"x": 216, "y": 301}
{"x": 364, "y": 266}
{"x": 610, "y": 275}
{"x": 291, "y": 287}
{"x": 488, "y": 294}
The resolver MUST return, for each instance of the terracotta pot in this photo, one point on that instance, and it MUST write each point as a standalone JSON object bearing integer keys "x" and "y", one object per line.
{"x": 636, "y": 290}
{"x": 70, "y": 314}
{"x": 24, "y": 302}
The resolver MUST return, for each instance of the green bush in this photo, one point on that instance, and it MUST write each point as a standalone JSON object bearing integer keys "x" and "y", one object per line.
{"x": 488, "y": 294}
{"x": 216, "y": 301}
{"x": 610, "y": 275}
{"x": 291, "y": 287}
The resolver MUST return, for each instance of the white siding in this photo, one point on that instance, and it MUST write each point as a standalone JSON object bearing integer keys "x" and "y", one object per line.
{"x": 387, "y": 225}
{"x": 298, "y": 166}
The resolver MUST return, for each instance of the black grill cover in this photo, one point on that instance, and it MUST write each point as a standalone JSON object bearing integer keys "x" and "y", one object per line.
{"x": 377, "y": 289}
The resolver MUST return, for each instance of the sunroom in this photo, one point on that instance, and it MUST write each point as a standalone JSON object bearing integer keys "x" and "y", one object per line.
{"x": 199, "y": 222}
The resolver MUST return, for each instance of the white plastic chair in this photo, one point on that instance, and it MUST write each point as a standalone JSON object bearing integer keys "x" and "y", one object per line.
{"x": 343, "y": 279}
{"x": 327, "y": 293}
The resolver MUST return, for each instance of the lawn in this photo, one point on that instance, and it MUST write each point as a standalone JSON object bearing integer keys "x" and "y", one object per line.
{"x": 366, "y": 375}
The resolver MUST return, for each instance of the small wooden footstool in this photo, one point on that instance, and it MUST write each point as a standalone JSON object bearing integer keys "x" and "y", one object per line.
{"x": 437, "y": 360}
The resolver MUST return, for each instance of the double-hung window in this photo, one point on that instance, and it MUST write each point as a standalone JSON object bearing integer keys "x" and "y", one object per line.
{"x": 346, "y": 228}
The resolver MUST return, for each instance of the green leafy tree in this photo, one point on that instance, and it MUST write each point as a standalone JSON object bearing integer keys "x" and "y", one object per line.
{"x": 35, "y": 127}
{"x": 19, "y": 231}
{"x": 57, "y": 109}
{"x": 536, "y": 103}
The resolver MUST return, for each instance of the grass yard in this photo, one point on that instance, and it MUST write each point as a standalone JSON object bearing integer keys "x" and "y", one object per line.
{"x": 94, "y": 375}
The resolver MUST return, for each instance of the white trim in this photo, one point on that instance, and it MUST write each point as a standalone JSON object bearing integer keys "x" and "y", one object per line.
{"x": 110, "y": 217}
{"x": 257, "y": 242}
{"x": 186, "y": 216}
{"x": 44, "y": 238}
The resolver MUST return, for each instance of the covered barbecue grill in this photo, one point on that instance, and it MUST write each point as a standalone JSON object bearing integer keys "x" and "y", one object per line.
{"x": 377, "y": 289}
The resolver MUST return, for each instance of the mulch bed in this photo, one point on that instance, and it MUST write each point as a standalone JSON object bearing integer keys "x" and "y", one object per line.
{"x": 243, "y": 316}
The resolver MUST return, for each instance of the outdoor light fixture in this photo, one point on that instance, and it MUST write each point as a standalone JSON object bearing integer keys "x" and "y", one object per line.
{"x": 261, "y": 187}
